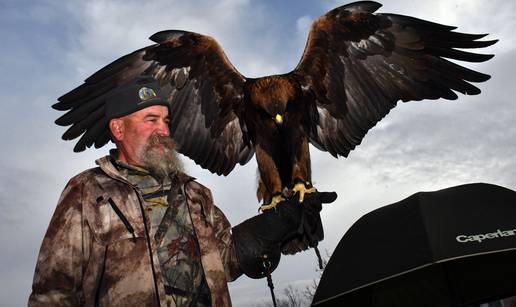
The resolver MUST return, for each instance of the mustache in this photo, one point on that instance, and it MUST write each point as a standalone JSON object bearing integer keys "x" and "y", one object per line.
{"x": 165, "y": 141}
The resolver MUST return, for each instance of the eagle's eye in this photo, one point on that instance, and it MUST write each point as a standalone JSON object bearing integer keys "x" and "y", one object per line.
{"x": 278, "y": 119}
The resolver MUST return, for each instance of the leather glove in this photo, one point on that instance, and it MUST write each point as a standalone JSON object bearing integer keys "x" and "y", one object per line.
{"x": 259, "y": 240}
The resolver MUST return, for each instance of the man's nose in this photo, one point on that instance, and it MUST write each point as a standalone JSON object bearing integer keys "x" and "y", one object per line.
{"x": 163, "y": 129}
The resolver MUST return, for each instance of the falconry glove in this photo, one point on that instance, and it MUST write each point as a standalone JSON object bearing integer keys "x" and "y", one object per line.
{"x": 289, "y": 228}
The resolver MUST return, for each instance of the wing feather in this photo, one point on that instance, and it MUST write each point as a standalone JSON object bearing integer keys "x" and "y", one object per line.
{"x": 357, "y": 65}
{"x": 102, "y": 139}
{"x": 80, "y": 126}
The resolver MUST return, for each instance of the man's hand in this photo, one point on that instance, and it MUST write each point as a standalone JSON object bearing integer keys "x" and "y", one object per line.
{"x": 312, "y": 231}
{"x": 289, "y": 228}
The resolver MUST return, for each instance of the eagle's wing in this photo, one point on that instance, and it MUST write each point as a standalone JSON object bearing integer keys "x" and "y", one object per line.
{"x": 357, "y": 65}
{"x": 203, "y": 88}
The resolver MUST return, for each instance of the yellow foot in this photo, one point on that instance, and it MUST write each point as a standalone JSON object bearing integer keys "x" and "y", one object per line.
{"x": 301, "y": 188}
{"x": 274, "y": 202}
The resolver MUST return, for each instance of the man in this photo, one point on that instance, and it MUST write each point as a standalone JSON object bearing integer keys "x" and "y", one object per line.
{"x": 137, "y": 231}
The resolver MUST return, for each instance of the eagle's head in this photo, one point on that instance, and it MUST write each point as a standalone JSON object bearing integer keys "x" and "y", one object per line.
{"x": 272, "y": 94}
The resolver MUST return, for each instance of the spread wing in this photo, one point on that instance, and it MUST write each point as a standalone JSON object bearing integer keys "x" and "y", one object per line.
{"x": 203, "y": 88}
{"x": 357, "y": 65}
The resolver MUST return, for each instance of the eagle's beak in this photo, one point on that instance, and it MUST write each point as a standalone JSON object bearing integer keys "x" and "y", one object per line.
{"x": 278, "y": 119}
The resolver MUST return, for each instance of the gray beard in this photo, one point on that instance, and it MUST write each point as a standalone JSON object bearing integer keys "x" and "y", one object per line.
{"x": 160, "y": 164}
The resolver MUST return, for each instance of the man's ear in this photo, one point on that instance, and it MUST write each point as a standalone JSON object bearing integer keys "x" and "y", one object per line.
{"x": 116, "y": 126}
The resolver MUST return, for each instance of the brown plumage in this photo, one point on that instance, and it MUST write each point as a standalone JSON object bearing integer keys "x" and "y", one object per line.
{"x": 355, "y": 68}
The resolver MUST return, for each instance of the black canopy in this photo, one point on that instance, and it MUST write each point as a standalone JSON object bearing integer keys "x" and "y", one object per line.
{"x": 452, "y": 247}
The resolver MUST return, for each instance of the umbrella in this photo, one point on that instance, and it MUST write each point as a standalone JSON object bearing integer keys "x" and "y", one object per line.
{"x": 452, "y": 247}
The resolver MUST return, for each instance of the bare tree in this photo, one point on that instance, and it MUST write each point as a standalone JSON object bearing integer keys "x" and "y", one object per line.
{"x": 309, "y": 291}
{"x": 295, "y": 297}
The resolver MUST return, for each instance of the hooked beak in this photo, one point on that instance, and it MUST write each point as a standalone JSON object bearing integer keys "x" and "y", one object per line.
{"x": 278, "y": 119}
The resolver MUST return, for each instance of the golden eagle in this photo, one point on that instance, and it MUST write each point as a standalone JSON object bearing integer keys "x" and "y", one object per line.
{"x": 354, "y": 69}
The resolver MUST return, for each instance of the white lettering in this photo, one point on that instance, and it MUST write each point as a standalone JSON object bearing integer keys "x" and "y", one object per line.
{"x": 486, "y": 236}
{"x": 462, "y": 239}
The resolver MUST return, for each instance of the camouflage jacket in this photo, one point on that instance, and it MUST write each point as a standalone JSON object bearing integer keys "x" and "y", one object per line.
{"x": 94, "y": 256}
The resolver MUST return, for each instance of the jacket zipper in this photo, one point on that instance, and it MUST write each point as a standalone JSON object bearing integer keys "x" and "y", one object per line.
{"x": 149, "y": 246}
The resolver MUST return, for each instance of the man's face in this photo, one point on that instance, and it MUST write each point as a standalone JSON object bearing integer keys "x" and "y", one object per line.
{"x": 134, "y": 131}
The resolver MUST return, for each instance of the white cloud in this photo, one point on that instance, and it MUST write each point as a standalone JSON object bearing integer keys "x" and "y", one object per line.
{"x": 303, "y": 24}
{"x": 110, "y": 30}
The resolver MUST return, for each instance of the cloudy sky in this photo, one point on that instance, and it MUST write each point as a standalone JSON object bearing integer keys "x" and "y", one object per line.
{"x": 50, "y": 47}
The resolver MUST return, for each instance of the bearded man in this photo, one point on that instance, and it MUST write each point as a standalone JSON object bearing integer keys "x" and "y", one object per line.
{"x": 137, "y": 231}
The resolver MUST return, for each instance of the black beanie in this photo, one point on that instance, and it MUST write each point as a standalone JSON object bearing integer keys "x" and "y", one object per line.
{"x": 140, "y": 93}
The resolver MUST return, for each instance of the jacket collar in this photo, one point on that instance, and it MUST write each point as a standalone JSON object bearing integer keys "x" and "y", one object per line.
{"x": 106, "y": 164}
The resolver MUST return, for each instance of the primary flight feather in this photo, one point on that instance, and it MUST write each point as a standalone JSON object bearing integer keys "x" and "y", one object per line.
{"x": 355, "y": 67}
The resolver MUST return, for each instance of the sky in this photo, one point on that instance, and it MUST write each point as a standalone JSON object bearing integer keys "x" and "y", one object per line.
{"x": 50, "y": 47}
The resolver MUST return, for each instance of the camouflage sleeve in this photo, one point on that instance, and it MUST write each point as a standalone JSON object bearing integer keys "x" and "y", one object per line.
{"x": 226, "y": 246}
{"x": 58, "y": 276}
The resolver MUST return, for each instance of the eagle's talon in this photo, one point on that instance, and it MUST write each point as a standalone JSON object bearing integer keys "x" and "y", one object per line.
{"x": 273, "y": 203}
{"x": 301, "y": 188}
